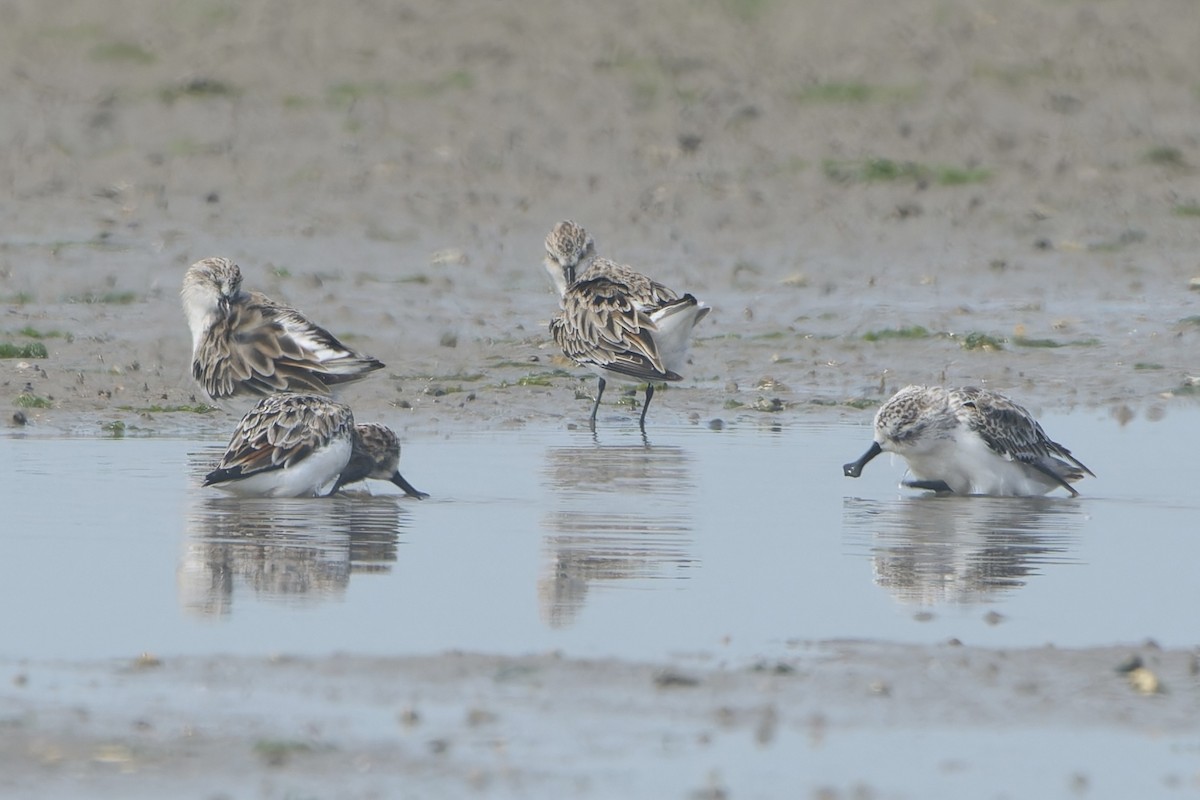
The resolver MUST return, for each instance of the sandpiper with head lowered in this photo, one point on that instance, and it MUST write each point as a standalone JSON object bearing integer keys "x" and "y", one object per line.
{"x": 244, "y": 343}
{"x": 299, "y": 445}
{"x": 615, "y": 321}
{"x": 969, "y": 441}
{"x": 376, "y": 455}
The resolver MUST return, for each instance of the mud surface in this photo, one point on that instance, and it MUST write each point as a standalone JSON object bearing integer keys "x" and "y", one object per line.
{"x": 817, "y": 174}
{"x": 868, "y": 194}
{"x": 541, "y": 726}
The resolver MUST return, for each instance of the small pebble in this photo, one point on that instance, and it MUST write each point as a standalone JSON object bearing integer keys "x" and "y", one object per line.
{"x": 479, "y": 716}
{"x": 450, "y": 257}
{"x": 1144, "y": 681}
{"x": 147, "y": 660}
{"x": 669, "y": 677}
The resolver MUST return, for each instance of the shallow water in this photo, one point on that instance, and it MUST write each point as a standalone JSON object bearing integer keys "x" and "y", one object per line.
{"x": 735, "y": 543}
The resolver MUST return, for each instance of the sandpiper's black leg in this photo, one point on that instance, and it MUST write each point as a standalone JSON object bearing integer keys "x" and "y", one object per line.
{"x": 596, "y": 405}
{"x": 930, "y": 486}
{"x": 646, "y": 406}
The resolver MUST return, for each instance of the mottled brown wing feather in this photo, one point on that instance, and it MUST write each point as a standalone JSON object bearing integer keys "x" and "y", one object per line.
{"x": 1011, "y": 430}
{"x": 303, "y": 342}
{"x": 601, "y": 325}
{"x": 280, "y": 431}
{"x": 641, "y": 289}
{"x": 263, "y": 347}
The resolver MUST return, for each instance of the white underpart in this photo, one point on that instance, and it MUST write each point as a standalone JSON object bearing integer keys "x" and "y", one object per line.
{"x": 309, "y": 478}
{"x": 674, "y": 335}
{"x": 968, "y": 466}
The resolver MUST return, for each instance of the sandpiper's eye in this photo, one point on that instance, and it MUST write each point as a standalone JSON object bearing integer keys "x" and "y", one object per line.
{"x": 904, "y": 433}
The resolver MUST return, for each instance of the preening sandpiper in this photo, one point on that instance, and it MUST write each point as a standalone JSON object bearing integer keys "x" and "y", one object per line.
{"x": 245, "y": 343}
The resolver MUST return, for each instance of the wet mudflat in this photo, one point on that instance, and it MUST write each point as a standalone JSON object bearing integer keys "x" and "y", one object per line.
{"x": 700, "y": 610}
{"x": 720, "y": 545}
{"x": 868, "y": 195}
{"x": 834, "y": 720}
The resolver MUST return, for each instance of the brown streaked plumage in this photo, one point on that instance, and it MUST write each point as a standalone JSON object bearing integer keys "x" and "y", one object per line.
{"x": 569, "y": 248}
{"x": 287, "y": 445}
{"x": 614, "y": 320}
{"x": 297, "y": 445}
{"x": 607, "y": 321}
{"x": 970, "y": 441}
{"x": 244, "y": 343}
{"x": 376, "y": 455}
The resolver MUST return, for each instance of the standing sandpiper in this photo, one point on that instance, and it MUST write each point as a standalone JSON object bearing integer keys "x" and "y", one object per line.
{"x": 615, "y": 321}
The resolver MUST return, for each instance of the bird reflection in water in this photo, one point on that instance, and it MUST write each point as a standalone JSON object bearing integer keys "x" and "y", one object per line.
{"x": 617, "y": 513}
{"x": 935, "y": 550}
{"x": 288, "y": 550}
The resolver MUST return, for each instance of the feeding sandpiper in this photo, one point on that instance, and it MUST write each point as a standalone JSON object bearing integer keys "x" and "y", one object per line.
{"x": 969, "y": 441}
{"x": 376, "y": 454}
{"x": 297, "y": 445}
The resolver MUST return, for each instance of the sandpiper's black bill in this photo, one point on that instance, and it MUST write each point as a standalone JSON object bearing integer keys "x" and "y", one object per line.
{"x": 855, "y": 468}
{"x": 408, "y": 488}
